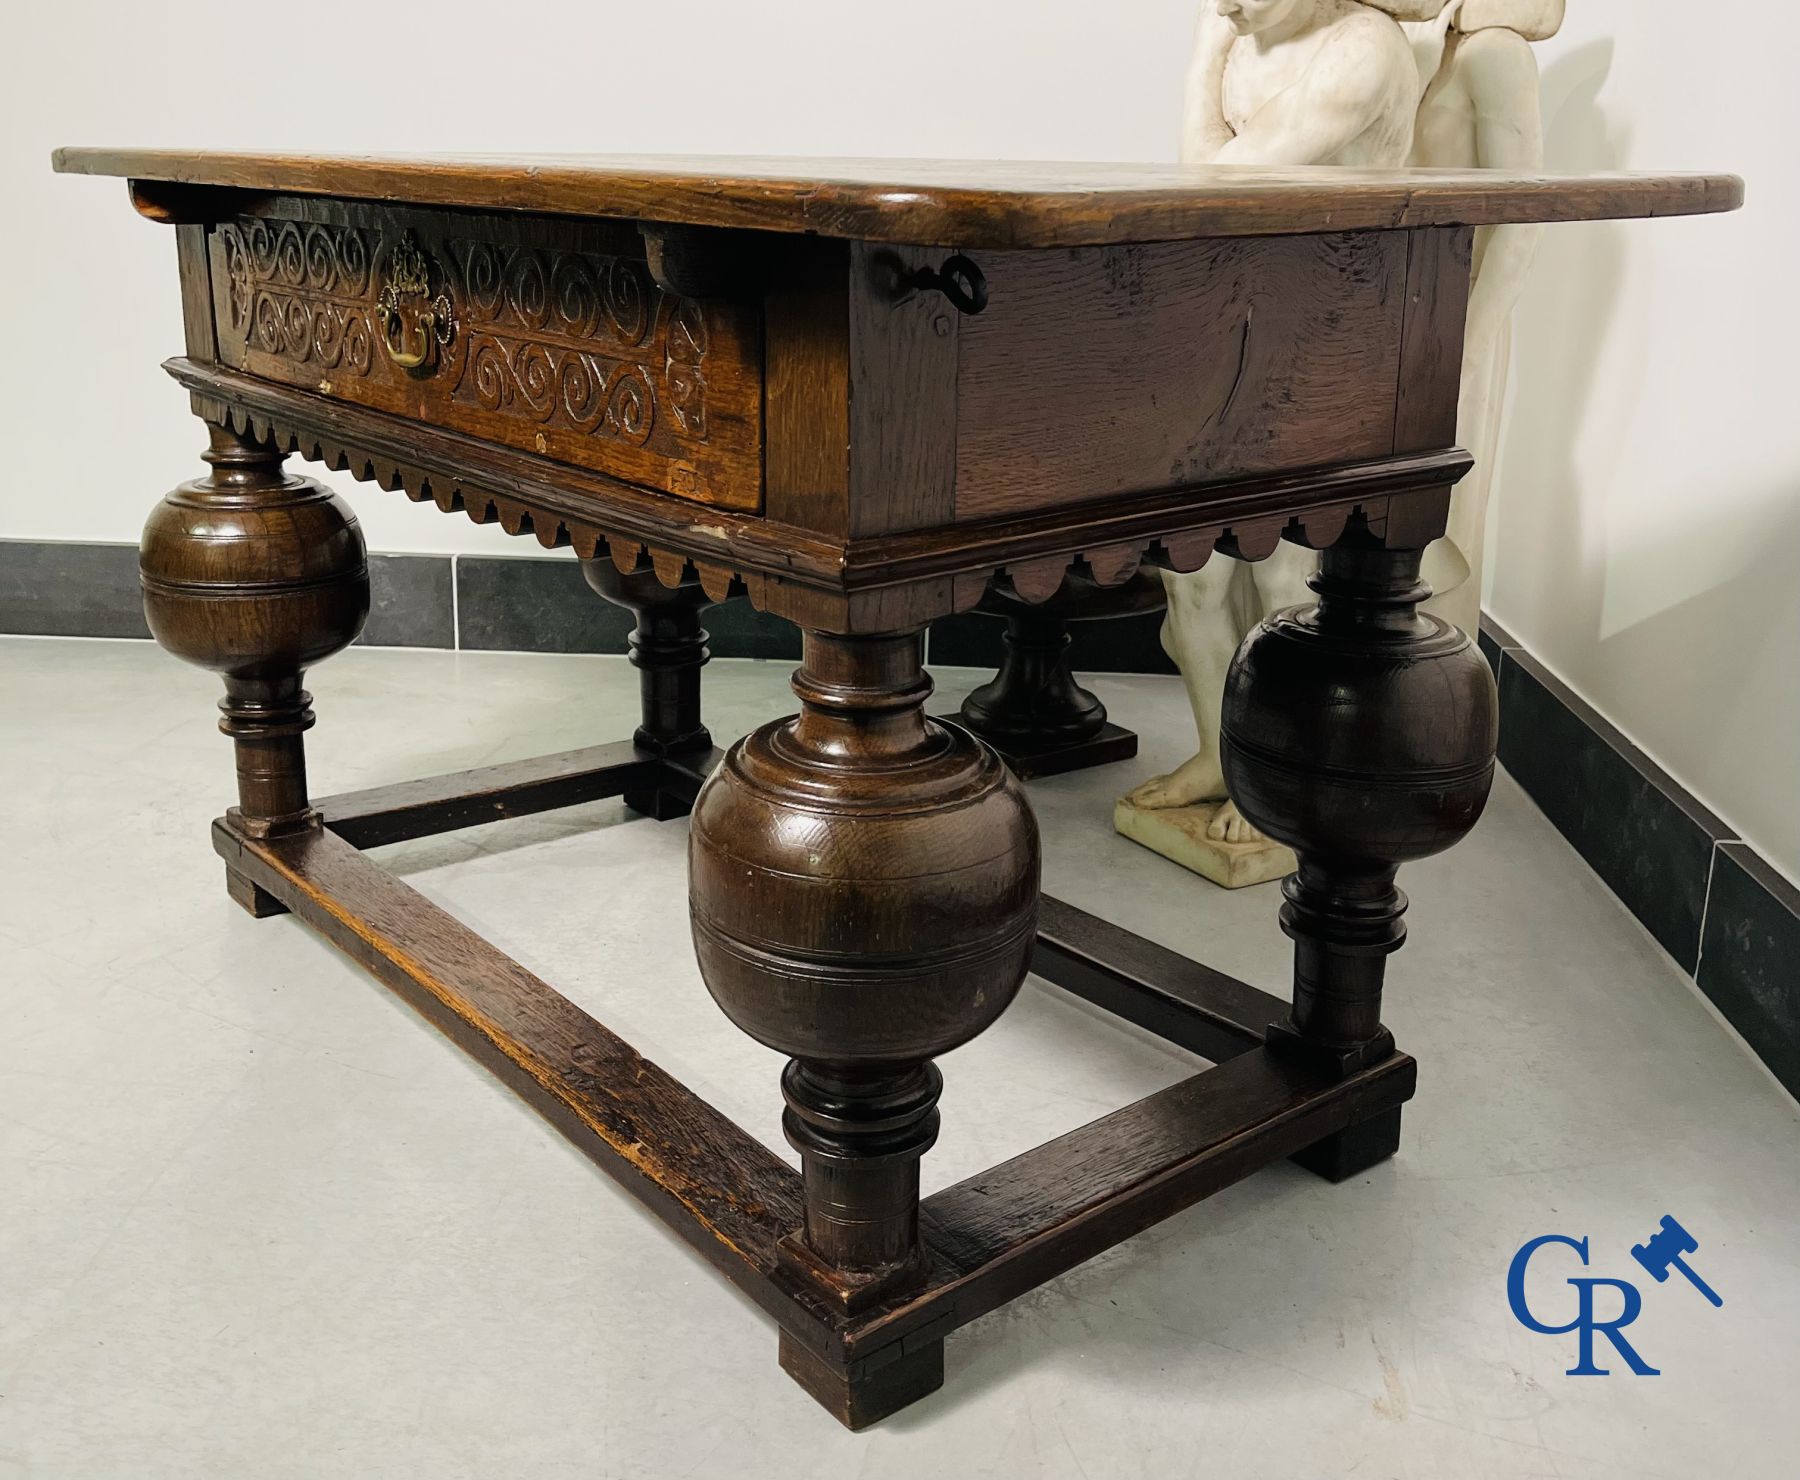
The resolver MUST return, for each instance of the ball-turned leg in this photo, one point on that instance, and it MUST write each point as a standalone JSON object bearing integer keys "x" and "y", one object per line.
{"x": 1033, "y": 711}
{"x": 668, "y": 648}
{"x": 1360, "y": 732}
{"x": 256, "y": 575}
{"x": 863, "y": 886}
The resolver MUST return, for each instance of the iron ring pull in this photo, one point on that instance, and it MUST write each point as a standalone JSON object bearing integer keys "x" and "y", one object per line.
{"x": 959, "y": 280}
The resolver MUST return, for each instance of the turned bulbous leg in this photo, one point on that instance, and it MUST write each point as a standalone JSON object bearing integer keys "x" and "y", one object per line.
{"x": 864, "y": 888}
{"x": 1033, "y": 710}
{"x": 1360, "y": 732}
{"x": 1034, "y": 696}
{"x": 256, "y": 575}
{"x": 668, "y": 648}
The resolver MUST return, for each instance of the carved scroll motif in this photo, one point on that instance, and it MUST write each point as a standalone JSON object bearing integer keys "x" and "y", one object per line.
{"x": 571, "y": 340}
{"x": 561, "y": 339}
{"x": 301, "y": 291}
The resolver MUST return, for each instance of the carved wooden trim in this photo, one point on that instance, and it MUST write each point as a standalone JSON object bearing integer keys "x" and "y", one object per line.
{"x": 514, "y": 516}
{"x": 909, "y": 579}
{"x": 537, "y": 337}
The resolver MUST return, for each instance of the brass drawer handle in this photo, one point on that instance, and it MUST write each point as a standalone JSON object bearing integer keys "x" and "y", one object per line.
{"x": 409, "y": 277}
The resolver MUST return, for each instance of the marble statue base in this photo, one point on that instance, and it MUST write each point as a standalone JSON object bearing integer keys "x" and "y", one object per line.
{"x": 1179, "y": 835}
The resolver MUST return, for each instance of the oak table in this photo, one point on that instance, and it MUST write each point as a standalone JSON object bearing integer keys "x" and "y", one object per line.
{"x": 865, "y": 395}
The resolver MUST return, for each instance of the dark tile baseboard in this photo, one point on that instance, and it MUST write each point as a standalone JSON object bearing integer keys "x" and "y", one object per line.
{"x": 49, "y": 588}
{"x": 514, "y": 604}
{"x": 53, "y": 588}
{"x": 1729, "y": 919}
{"x": 538, "y": 605}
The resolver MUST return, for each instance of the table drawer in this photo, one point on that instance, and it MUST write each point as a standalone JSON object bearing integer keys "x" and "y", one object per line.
{"x": 543, "y": 335}
{"x": 1109, "y": 371}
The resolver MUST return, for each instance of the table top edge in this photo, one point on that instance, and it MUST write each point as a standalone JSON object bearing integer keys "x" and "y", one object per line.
{"x": 970, "y": 203}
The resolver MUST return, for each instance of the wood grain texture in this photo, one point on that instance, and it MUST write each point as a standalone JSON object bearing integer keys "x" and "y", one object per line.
{"x": 1182, "y": 1001}
{"x": 1005, "y": 1231}
{"x": 725, "y": 1192}
{"x": 1360, "y": 732}
{"x": 198, "y": 329}
{"x": 1431, "y": 347}
{"x": 1118, "y": 370}
{"x": 1184, "y": 360}
{"x": 380, "y": 815}
{"x": 903, "y": 394}
{"x": 256, "y": 575}
{"x": 875, "y": 583}
{"x": 806, "y": 391}
{"x": 929, "y": 202}
{"x": 863, "y": 889}
{"x": 551, "y": 337}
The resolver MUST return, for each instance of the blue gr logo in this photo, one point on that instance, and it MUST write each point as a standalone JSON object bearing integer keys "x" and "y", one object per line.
{"x": 1658, "y": 1254}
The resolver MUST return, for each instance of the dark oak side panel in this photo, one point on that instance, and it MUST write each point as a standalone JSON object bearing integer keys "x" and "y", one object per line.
{"x": 806, "y": 391}
{"x": 1102, "y": 371}
{"x": 200, "y": 334}
{"x": 903, "y": 368}
{"x": 1431, "y": 341}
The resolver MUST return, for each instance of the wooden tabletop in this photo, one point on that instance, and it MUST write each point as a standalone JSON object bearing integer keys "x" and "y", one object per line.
{"x": 972, "y": 203}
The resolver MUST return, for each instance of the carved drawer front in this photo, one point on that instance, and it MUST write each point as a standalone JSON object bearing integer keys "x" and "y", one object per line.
{"x": 545, "y": 336}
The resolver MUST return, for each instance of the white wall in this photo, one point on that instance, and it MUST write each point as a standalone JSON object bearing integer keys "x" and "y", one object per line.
{"x": 1650, "y": 488}
{"x": 1648, "y": 517}
{"x": 95, "y": 432}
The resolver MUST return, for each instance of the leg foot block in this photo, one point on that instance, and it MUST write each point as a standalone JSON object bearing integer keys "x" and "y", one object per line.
{"x": 255, "y": 900}
{"x": 657, "y": 804}
{"x": 1354, "y": 1149}
{"x": 857, "y": 1402}
{"x": 1033, "y": 758}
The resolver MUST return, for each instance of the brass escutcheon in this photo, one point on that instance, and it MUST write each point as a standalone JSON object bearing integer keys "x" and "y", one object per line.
{"x": 409, "y": 278}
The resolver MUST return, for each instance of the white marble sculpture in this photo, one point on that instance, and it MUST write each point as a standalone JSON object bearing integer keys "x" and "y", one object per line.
{"x": 1342, "y": 82}
{"x": 1481, "y": 110}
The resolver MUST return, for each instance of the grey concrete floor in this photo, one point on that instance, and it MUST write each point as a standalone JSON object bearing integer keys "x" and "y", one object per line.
{"x": 257, "y": 1220}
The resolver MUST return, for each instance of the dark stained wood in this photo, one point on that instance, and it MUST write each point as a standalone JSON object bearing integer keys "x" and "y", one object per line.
{"x": 1196, "y": 362}
{"x": 721, "y": 1189}
{"x": 787, "y": 569}
{"x": 863, "y": 886}
{"x": 1360, "y": 732}
{"x": 903, "y": 401}
{"x": 1353, "y": 1150}
{"x": 1130, "y": 366}
{"x": 253, "y": 900}
{"x": 256, "y": 576}
{"x": 1007, "y": 1230}
{"x": 685, "y": 772}
{"x": 543, "y": 335}
{"x": 668, "y": 649}
{"x": 496, "y": 484}
{"x": 1033, "y": 711}
{"x": 196, "y": 293}
{"x": 1176, "y": 528}
{"x": 381, "y": 815}
{"x": 1436, "y": 308}
{"x": 806, "y": 413}
{"x": 875, "y": 1390}
{"x": 974, "y": 203}
{"x": 1203, "y": 1010}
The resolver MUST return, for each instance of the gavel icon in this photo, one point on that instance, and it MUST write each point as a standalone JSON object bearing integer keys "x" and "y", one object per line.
{"x": 1663, "y": 1250}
